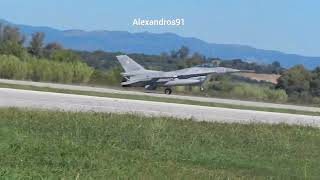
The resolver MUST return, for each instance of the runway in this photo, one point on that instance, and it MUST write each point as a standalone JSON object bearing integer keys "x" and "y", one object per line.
{"x": 70, "y": 102}
{"x": 193, "y": 98}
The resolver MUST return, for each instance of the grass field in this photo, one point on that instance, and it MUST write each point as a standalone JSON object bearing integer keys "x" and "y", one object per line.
{"x": 159, "y": 99}
{"x": 62, "y": 145}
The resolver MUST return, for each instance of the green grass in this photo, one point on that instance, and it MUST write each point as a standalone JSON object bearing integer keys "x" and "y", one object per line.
{"x": 64, "y": 145}
{"x": 158, "y": 99}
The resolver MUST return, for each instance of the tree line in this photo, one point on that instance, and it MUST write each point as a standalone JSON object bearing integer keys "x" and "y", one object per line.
{"x": 301, "y": 84}
{"x": 39, "y": 62}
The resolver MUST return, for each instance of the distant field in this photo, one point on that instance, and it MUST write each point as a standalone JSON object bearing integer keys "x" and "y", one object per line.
{"x": 272, "y": 78}
{"x": 61, "y": 145}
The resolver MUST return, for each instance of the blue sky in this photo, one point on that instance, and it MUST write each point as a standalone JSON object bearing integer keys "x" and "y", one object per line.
{"x": 291, "y": 26}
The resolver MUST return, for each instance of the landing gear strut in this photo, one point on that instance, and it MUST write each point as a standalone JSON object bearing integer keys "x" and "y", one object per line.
{"x": 168, "y": 91}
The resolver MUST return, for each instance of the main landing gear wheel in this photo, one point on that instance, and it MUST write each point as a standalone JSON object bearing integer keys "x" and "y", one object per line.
{"x": 167, "y": 91}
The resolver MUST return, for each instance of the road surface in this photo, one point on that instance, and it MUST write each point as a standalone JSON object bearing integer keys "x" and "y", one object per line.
{"x": 70, "y": 102}
{"x": 193, "y": 98}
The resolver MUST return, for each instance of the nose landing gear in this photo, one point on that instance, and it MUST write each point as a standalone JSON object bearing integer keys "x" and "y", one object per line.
{"x": 168, "y": 91}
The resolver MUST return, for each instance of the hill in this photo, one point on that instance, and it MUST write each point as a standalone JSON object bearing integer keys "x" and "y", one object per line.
{"x": 152, "y": 43}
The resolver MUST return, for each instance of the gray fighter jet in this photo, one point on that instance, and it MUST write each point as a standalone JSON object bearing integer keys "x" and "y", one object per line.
{"x": 137, "y": 76}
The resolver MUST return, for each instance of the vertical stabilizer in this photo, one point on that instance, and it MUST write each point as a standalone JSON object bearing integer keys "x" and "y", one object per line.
{"x": 128, "y": 64}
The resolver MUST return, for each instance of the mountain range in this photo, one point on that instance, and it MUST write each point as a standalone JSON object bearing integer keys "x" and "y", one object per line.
{"x": 153, "y": 43}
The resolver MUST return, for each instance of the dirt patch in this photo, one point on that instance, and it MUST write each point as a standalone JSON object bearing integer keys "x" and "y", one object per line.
{"x": 272, "y": 78}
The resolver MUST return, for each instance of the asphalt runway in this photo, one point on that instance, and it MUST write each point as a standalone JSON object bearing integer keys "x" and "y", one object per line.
{"x": 193, "y": 98}
{"x": 70, "y": 102}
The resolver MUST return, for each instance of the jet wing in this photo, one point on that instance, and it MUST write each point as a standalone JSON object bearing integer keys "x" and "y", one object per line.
{"x": 200, "y": 71}
{"x": 138, "y": 81}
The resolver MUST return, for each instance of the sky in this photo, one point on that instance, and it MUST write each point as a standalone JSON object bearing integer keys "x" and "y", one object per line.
{"x": 291, "y": 26}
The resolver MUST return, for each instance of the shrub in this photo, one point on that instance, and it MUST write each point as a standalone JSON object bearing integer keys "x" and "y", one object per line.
{"x": 81, "y": 72}
{"x": 110, "y": 77}
{"x": 35, "y": 69}
{"x": 12, "y": 68}
{"x": 227, "y": 88}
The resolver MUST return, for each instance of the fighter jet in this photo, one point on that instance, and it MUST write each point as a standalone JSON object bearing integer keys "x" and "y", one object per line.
{"x": 137, "y": 76}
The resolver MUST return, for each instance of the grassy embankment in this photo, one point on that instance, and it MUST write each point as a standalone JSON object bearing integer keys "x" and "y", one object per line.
{"x": 61, "y": 145}
{"x": 159, "y": 99}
